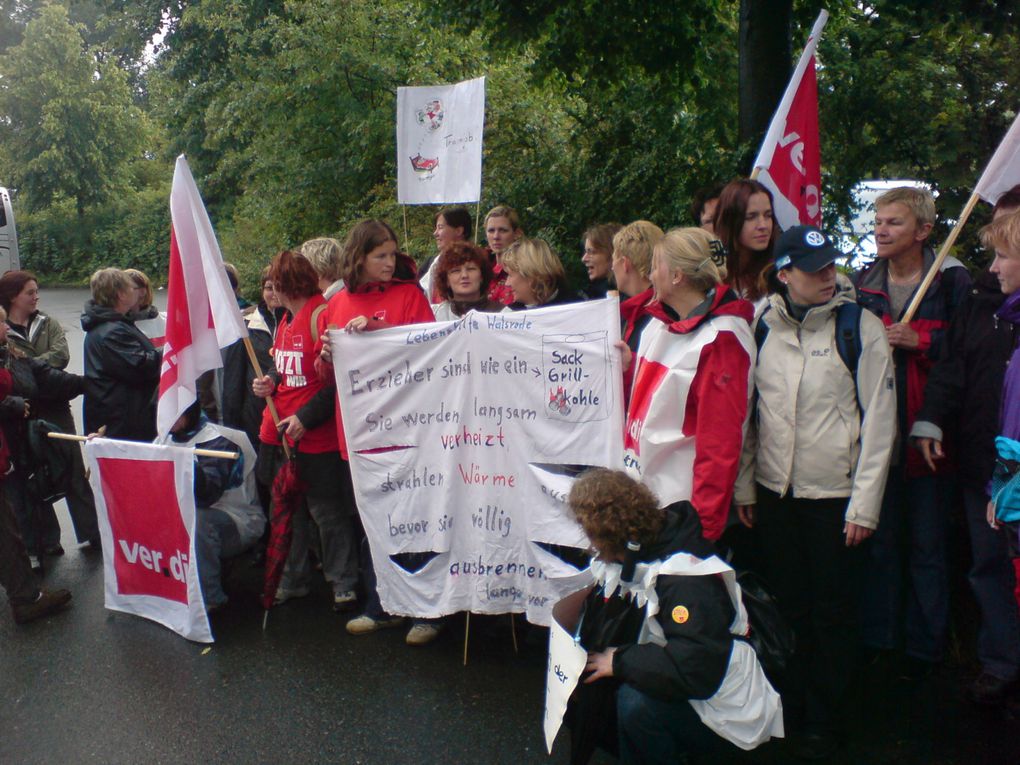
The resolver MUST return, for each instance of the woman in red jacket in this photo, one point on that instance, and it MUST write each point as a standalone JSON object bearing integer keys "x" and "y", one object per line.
{"x": 304, "y": 403}
{"x": 380, "y": 290}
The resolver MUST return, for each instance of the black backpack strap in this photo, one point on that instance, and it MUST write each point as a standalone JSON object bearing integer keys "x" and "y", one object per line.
{"x": 848, "y": 341}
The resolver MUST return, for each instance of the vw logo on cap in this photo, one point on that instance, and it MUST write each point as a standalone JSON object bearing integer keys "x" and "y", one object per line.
{"x": 814, "y": 238}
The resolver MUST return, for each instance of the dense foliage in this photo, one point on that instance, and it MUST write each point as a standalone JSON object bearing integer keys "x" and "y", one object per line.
{"x": 595, "y": 111}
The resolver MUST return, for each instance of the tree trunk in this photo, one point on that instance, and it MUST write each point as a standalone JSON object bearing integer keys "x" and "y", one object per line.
{"x": 764, "y": 64}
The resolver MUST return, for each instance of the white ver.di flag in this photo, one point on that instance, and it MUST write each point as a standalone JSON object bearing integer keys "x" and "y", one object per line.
{"x": 439, "y": 143}
{"x": 202, "y": 315}
{"x": 1003, "y": 170}
{"x": 464, "y": 441}
{"x": 145, "y": 504}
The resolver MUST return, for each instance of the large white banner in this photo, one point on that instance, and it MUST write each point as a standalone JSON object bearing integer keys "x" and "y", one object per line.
{"x": 145, "y": 502}
{"x": 464, "y": 440}
{"x": 439, "y": 143}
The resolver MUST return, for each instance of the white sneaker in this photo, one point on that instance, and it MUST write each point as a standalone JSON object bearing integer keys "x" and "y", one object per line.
{"x": 422, "y": 633}
{"x": 364, "y": 624}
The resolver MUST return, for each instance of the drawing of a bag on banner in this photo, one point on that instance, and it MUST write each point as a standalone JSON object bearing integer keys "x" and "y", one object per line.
{"x": 578, "y": 391}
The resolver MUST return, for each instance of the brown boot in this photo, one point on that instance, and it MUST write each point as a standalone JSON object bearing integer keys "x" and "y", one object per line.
{"x": 47, "y": 603}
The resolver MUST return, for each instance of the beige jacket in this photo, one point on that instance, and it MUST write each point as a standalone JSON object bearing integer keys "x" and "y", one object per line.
{"x": 805, "y": 433}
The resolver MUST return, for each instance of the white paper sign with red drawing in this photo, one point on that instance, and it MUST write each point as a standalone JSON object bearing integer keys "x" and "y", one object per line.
{"x": 439, "y": 143}
{"x": 146, "y": 506}
{"x": 465, "y": 438}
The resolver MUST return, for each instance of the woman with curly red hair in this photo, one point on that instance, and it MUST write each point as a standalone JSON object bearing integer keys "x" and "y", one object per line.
{"x": 660, "y": 628}
{"x": 462, "y": 278}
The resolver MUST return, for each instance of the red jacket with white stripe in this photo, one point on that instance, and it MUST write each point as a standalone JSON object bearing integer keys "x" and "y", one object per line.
{"x": 931, "y": 321}
{"x": 688, "y": 404}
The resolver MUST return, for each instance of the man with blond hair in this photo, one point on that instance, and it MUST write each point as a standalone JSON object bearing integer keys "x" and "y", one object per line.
{"x": 908, "y": 555}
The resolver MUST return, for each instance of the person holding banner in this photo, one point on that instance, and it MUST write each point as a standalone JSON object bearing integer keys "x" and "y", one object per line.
{"x": 963, "y": 396}
{"x": 305, "y": 405}
{"x": 380, "y": 290}
{"x": 744, "y": 222}
{"x": 41, "y": 337}
{"x": 462, "y": 276}
{"x": 814, "y": 464}
{"x": 692, "y": 380}
{"x": 912, "y": 537}
{"x": 502, "y": 228}
{"x": 598, "y": 258}
{"x": 632, "y": 261}
{"x": 660, "y": 629}
{"x": 121, "y": 365}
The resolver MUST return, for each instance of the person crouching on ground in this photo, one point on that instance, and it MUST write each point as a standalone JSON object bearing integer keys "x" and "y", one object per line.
{"x": 229, "y": 519}
{"x": 665, "y": 641}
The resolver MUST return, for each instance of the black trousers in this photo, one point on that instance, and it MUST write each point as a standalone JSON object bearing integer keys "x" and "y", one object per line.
{"x": 813, "y": 574}
{"x": 16, "y": 575}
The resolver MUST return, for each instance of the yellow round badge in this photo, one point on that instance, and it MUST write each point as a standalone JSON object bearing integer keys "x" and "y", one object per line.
{"x": 681, "y": 614}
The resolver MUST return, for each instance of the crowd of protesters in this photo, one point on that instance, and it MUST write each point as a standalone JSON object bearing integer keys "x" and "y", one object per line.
{"x": 780, "y": 416}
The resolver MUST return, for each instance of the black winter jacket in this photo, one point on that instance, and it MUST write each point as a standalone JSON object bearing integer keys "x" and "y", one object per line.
{"x": 964, "y": 387}
{"x": 122, "y": 375}
{"x": 694, "y": 660}
{"x": 38, "y": 383}
{"x": 242, "y": 409}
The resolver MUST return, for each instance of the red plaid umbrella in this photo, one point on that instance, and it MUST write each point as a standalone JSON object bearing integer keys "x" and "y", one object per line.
{"x": 288, "y": 491}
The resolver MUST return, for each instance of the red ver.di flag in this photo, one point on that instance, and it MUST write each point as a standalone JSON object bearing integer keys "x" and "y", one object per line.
{"x": 146, "y": 507}
{"x": 789, "y": 162}
{"x": 201, "y": 311}
{"x": 439, "y": 143}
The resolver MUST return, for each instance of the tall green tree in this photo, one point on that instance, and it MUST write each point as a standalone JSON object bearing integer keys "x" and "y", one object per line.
{"x": 70, "y": 124}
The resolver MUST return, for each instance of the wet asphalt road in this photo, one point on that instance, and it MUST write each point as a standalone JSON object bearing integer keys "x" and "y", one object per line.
{"x": 92, "y": 686}
{"x": 89, "y": 685}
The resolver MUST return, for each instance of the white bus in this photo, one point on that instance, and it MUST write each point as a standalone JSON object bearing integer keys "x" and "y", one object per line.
{"x": 9, "y": 259}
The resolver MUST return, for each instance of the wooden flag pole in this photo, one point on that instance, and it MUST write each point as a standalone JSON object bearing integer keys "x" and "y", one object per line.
{"x": 269, "y": 401}
{"x": 915, "y": 303}
{"x": 755, "y": 173}
{"x": 199, "y": 452}
{"x": 404, "y": 210}
{"x": 467, "y": 628}
{"x": 478, "y": 217}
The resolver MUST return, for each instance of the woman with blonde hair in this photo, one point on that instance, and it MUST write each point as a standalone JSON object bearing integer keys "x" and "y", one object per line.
{"x": 324, "y": 253}
{"x": 121, "y": 364}
{"x": 535, "y": 276}
{"x": 502, "y": 229}
{"x": 632, "y": 261}
{"x": 692, "y": 380}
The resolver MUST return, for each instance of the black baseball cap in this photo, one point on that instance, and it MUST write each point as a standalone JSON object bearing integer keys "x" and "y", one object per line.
{"x": 805, "y": 248}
